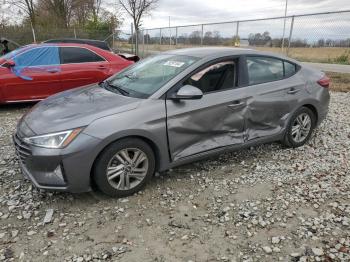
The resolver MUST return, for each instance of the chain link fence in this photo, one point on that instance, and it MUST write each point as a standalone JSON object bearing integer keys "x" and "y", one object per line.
{"x": 319, "y": 37}
{"x": 24, "y": 34}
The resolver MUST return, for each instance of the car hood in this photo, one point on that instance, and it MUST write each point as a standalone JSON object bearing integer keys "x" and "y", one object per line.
{"x": 76, "y": 108}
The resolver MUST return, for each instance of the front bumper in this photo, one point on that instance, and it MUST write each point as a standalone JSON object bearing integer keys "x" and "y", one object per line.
{"x": 66, "y": 169}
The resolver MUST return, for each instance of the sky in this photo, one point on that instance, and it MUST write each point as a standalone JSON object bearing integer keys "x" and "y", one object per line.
{"x": 184, "y": 12}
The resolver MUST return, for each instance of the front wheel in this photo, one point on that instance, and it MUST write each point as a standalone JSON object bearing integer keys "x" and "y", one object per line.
{"x": 300, "y": 128}
{"x": 124, "y": 167}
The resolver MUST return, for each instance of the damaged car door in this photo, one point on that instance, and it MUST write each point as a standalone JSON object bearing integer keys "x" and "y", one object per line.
{"x": 274, "y": 90}
{"x": 216, "y": 120}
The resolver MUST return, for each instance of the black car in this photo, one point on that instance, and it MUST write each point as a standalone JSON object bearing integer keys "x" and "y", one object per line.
{"x": 97, "y": 43}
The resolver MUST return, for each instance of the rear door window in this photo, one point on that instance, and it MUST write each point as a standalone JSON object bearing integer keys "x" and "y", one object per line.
{"x": 264, "y": 69}
{"x": 75, "y": 55}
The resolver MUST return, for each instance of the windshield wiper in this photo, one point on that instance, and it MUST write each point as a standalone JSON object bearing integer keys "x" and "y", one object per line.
{"x": 118, "y": 88}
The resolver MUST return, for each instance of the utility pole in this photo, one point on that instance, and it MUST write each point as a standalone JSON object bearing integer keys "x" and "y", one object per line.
{"x": 284, "y": 24}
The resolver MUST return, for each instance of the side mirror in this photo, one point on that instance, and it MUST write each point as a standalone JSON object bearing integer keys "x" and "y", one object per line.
{"x": 9, "y": 63}
{"x": 188, "y": 92}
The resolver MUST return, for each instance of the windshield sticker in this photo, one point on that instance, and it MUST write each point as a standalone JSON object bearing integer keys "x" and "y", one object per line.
{"x": 174, "y": 63}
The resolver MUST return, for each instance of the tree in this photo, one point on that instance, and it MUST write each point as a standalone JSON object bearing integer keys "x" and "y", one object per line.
{"x": 95, "y": 7}
{"x": 61, "y": 9}
{"x": 26, "y": 6}
{"x": 81, "y": 12}
{"x": 195, "y": 38}
{"x": 259, "y": 39}
{"x": 137, "y": 9}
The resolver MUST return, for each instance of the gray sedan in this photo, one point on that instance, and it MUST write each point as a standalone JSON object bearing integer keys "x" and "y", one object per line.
{"x": 165, "y": 111}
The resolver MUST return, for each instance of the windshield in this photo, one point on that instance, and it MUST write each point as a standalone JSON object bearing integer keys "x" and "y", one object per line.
{"x": 13, "y": 53}
{"x": 149, "y": 75}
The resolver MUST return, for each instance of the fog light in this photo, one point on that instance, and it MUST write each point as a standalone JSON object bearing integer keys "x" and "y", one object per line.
{"x": 53, "y": 178}
{"x": 58, "y": 172}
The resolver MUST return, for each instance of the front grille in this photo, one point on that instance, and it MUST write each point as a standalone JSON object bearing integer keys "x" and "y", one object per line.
{"x": 22, "y": 148}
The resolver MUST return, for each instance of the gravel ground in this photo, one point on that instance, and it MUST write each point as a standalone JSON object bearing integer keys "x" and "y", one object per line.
{"x": 266, "y": 203}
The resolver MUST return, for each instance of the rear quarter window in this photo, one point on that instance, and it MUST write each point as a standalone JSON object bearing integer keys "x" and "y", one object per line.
{"x": 289, "y": 69}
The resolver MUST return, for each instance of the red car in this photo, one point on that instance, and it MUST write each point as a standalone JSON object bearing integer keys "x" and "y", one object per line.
{"x": 34, "y": 72}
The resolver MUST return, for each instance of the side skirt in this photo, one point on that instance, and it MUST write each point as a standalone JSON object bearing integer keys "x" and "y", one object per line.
{"x": 217, "y": 151}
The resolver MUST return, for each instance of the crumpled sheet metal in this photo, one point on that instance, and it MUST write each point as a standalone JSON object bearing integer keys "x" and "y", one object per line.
{"x": 266, "y": 115}
{"x": 192, "y": 133}
{"x": 260, "y": 115}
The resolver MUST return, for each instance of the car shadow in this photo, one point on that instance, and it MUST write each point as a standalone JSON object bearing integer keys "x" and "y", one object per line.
{"x": 9, "y": 108}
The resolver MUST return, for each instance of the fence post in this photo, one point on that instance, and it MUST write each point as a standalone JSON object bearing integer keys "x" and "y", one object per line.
{"x": 132, "y": 38}
{"x": 202, "y": 34}
{"x": 284, "y": 24}
{"x": 143, "y": 43}
{"x": 160, "y": 36}
{"x": 236, "y": 37}
{"x": 290, "y": 33}
{"x": 75, "y": 33}
{"x": 113, "y": 38}
{"x": 147, "y": 38}
{"x": 176, "y": 37}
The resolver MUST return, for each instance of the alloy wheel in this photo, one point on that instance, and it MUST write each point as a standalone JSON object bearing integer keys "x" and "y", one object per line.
{"x": 301, "y": 127}
{"x": 127, "y": 168}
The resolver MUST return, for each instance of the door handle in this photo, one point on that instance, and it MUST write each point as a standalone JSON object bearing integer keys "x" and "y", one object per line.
{"x": 102, "y": 67}
{"x": 53, "y": 70}
{"x": 293, "y": 91}
{"x": 235, "y": 105}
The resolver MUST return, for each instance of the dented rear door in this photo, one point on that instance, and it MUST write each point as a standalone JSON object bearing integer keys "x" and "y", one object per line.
{"x": 196, "y": 126}
{"x": 270, "y": 104}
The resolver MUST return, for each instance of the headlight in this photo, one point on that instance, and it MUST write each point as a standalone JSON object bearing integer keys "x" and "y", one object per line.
{"x": 55, "y": 140}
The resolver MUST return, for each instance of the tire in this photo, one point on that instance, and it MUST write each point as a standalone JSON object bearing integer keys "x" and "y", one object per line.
{"x": 120, "y": 168}
{"x": 291, "y": 138}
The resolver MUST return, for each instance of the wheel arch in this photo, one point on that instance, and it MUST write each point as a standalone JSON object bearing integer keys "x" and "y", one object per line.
{"x": 313, "y": 110}
{"x": 160, "y": 160}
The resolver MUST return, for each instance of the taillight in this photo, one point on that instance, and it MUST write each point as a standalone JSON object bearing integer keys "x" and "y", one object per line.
{"x": 324, "y": 81}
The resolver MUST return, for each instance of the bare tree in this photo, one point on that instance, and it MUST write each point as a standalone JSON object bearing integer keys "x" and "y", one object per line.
{"x": 26, "y": 6}
{"x": 81, "y": 12}
{"x": 137, "y": 9}
{"x": 62, "y": 10}
{"x": 96, "y": 7}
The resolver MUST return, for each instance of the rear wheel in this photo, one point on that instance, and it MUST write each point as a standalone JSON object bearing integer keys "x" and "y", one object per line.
{"x": 300, "y": 128}
{"x": 124, "y": 167}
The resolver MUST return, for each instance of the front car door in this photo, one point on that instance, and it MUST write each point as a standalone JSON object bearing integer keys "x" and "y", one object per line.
{"x": 81, "y": 66}
{"x": 36, "y": 75}
{"x": 273, "y": 90}
{"x": 214, "y": 121}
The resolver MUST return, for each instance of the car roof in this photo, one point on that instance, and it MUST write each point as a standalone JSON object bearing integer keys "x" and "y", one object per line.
{"x": 202, "y": 52}
{"x": 217, "y": 52}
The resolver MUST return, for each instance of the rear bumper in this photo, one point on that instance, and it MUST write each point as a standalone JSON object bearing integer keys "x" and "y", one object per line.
{"x": 65, "y": 169}
{"x": 323, "y": 109}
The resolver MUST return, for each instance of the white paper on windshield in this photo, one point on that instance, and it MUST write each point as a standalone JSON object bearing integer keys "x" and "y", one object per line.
{"x": 174, "y": 63}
